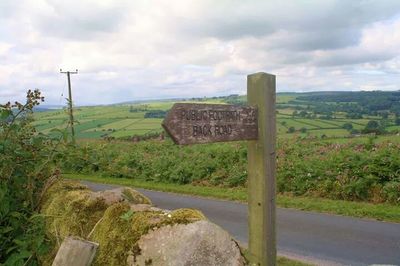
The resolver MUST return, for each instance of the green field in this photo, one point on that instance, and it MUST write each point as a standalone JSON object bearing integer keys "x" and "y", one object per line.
{"x": 128, "y": 120}
{"x": 100, "y": 121}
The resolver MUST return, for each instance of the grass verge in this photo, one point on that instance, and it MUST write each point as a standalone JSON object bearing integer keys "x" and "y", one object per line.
{"x": 382, "y": 212}
{"x": 282, "y": 261}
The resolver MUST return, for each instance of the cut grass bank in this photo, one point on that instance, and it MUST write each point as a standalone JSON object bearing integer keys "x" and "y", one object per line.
{"x": 383, "y": 212}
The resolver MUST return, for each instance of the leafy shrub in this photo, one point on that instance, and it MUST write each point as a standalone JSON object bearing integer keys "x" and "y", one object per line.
{"x": 351, "y": 171}
{"x": 26, "y": 163}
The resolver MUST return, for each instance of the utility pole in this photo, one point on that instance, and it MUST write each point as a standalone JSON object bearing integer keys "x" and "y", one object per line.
{"x": 71, "y": 116}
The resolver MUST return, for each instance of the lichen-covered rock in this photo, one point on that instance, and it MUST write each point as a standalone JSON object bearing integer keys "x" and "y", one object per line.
{"x": 69, "y": 211}
{"x": 199, "y": 243}
{"x": 120, "y": 229}
{"x": 120, "y": 220}
{"x": 121, "y": 194}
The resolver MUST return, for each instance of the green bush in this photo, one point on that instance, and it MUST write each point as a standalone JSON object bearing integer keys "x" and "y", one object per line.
{"x": 351, "y": 171}
{"x": 26, "y": 163}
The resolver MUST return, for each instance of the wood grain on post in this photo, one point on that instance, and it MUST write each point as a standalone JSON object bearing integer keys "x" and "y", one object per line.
{"x": 261, "y": 171}
{"x": 77, "y": 252}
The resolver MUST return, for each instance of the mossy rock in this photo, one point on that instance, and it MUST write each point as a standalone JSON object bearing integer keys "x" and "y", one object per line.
{"x": 69, "y": 211}
{"x": 118, "y": 222}
{"x": 122, "y": 194}
{"x": 61, "y": 186}
{"x": 121, "y": 228}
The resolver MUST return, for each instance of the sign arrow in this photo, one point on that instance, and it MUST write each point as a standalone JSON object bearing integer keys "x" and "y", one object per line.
{"x": 191, "y": 123}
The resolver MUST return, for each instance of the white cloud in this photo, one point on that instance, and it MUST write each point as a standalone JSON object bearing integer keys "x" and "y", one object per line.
{"x": 148, "y": 49}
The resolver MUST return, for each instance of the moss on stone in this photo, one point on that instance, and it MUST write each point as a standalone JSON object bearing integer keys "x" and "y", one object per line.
{"x": 114, "y": 235}
{"x": 61, "y": 186}
{"x": 118, "y": 237}
{"x": 134, "y": 197}
{"x": 184, "y": 216}
{"x": 71, "y": 210}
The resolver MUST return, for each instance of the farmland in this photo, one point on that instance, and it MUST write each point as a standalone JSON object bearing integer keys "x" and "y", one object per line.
{"x": 295, "y": 117}
{"x": 331, "y": 157}
{"x": 332, "y": 150}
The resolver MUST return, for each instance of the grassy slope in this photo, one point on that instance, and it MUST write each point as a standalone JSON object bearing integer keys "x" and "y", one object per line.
{"x": 117, "y": 121}
{"x": 384, "y": 212}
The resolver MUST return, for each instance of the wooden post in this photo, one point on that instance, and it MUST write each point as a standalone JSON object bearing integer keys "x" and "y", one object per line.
{"x": 71, "y": 116}
{"x": 261, "y": 172}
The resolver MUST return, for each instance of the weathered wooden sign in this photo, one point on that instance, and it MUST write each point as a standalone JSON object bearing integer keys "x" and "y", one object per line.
{"x": 190, "y": 123}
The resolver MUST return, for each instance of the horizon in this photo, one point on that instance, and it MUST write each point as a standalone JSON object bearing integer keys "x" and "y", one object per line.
{"x": 150, "y": 100}
{"x": 175, "y": 49}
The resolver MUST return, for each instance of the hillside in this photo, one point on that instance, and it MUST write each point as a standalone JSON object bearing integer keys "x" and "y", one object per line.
{"x": 313, "y": 115}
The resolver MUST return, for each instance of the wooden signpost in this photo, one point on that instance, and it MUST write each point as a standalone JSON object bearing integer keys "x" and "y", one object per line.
{"x": 189, "y": 123}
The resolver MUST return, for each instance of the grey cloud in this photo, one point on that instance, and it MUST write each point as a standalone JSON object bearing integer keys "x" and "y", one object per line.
{"x": 80, "y": 20}
{"x": 323, "y": 39}
{"x": 353, "y": 56}
{"x": 225, "y": 28}
{"x": 312, "y": 25}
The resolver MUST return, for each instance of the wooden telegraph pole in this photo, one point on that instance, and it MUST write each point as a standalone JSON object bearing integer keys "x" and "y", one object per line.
{"x": 190, "y": 123}
{"x": 71, "y": 116}
{"x": 261, "y": 171}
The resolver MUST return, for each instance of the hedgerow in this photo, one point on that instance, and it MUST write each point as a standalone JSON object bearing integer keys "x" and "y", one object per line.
{"x": 26, "y": 166}
{"x": 351, "y": 171}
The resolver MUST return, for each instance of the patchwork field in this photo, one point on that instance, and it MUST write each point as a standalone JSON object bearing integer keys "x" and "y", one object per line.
{"x": 294, "y": 117}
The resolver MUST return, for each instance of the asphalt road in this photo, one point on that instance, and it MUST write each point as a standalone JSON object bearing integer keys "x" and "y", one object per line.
{"x": 320, "y": 238}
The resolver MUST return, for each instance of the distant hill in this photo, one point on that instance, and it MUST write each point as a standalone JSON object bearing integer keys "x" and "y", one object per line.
{"x": 44, "y": 108}
{"x": 312, "y": 114}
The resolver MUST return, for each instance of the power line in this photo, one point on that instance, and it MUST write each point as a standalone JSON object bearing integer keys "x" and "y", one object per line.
{"x": 71, "y": 116}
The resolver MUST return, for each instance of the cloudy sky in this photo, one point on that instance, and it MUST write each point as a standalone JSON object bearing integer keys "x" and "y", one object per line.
{"x": 143, "y": 49}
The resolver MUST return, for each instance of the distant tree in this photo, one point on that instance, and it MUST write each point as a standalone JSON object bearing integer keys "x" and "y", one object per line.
{"x": 155, "y": 114}
{"x": 348, "y": 126}
{"x": 291, "y": 130}
{"x": 284, "y": 123}
{"x": 303, "y": 114}
{"x": 295, "y": 113}
{"x": 373, "y": 127}
{"x": 372, "y": 124}
{"x": 303, "y": 130}
{"x": 397, "y": 121}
